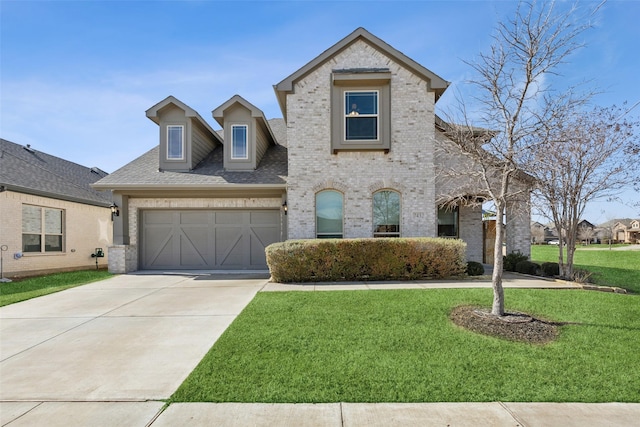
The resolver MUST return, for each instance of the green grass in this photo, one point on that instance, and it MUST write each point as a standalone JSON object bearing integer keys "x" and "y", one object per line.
{"x": 24, "y": 289}
{"x": 400, "y": 346}
{"x": 611, "y": 268}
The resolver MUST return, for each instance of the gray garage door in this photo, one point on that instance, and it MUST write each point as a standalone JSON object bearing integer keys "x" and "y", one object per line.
{"x": 207, "y": 239}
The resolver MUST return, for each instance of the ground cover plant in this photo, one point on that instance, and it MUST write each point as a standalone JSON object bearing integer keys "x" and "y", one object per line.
{"x": 401, "y": 346}
{"x": 24, "y": 289}
{"x": 609, "y": 267}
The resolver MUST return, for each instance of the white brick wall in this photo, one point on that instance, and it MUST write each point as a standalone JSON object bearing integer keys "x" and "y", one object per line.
{"x": 407, "y": 168}
{"x": 86, "y": 228}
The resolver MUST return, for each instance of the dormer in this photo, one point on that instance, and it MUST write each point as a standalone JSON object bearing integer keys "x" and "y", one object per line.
{"x": 185, "y": 138}
{"x": 635, "y": 224}
{"x": 247, "y": 135}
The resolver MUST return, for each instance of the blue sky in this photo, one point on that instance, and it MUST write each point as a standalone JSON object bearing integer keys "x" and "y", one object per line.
{"x": 77, "y": 76}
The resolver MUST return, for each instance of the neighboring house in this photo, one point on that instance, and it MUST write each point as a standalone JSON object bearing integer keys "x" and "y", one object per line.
{"x": 50, "y": 217}
{"x": 586, "y": 233}
{"x": 540, "y": 233}
{"x": 354, "y": 157}
{"x": 627, "y": 231}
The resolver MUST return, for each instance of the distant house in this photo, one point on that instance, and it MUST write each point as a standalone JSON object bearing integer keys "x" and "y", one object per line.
{"x": 627, "y": 231}
{"x": 540, "y": 233}
{"x": 586, "y": 233}
{"x": 50, "y": 217}
{"x": 354, "y": 156}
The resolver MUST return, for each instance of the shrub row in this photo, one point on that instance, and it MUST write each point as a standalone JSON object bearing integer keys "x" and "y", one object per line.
{"x": 365, "y": 259}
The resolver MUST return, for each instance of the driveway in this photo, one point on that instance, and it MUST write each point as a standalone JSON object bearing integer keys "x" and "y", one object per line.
{"x": 128, "y": 338}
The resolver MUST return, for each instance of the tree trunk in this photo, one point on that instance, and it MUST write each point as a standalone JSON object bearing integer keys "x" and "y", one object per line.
{"x": 496, "y": 280}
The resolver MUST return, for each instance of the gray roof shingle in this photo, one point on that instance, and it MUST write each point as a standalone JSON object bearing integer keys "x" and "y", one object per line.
{"x": 210, "y": 172}
{"x": 33, "y": 172}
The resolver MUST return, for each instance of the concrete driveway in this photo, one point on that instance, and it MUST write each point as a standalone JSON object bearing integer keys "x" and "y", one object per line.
{"x": 128, "y": 338}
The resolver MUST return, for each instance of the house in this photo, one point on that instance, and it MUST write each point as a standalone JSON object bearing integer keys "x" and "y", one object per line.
{"x": 627, "y": 231}
{"x": 50, "y": 217}
{"x": 354, "y": 156}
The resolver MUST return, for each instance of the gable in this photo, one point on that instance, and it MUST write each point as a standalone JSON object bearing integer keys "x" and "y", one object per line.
{"x": 435, "y": 83}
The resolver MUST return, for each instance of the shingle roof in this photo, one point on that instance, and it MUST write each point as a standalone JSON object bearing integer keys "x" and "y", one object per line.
{"x": 30, "y": 171}
{"x": 143, "y": 172}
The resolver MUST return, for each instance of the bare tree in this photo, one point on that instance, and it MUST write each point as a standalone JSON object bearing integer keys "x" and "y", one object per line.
{"x": 515, "y": 102}
{"x": 590, "y": 155}
{"x": 586, "y": 233}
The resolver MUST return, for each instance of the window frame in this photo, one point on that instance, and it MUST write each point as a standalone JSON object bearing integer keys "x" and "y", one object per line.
{"x": 330, "y": 235}
{"x": 388, "y": 234}
{"x": 456, "y": 211}
{"x": 355, "y": 115}
{"x": 43, "y": 232}
{"x": 182, "y": 142}
{"x": 345, "y": 81}
{"x": 246, "y": 142}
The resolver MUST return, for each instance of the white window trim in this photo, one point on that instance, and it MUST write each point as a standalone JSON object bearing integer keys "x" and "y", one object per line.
{"x": 345, "y": 115}
{"x": 246, "y": 133}
{"x": 182, "y": 142}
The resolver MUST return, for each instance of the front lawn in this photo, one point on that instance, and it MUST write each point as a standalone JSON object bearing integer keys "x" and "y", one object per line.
{"x": 610, "y": 267}
{"x": 400, "y": 346}
{"x": 25, "y": 289}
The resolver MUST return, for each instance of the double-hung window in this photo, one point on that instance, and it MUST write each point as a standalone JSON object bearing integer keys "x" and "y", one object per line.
{"x": 42, "y": 229}
{"x": 175, "y": 142}
{"x": 239, "y": 146}
{"x": 361, "y": 110}
{"x": 361, "y": 115}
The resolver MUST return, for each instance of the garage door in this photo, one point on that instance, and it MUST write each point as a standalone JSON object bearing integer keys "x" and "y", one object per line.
{"x": 207, "y": 239}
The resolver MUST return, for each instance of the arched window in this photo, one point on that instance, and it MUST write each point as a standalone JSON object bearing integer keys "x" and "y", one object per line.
{"x": 386, "y": 214}
{"x": 329, "y": 217}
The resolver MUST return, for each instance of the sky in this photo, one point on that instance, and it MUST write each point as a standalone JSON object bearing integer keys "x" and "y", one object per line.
{"x": 76, "y": 77}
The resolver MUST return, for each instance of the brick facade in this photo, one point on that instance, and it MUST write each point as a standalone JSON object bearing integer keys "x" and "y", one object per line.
{"x": 407, "y": 168}
{"x": 86, "y": 227}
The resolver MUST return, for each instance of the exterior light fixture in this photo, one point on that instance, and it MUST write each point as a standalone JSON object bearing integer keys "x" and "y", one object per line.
{"x": 284, "y": 207}
{"x": 114, "y": 210}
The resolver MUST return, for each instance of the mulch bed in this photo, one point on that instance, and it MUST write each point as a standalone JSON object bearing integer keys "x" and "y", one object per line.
{"x": 512, "y": 326}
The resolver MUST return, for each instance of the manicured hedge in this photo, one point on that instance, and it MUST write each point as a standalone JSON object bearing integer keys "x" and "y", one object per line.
{"x": 365, "y": 259}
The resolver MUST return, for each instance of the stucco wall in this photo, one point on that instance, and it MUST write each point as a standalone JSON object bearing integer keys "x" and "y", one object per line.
{"x": 407, "y": 168}
{"x": 86, "y": 228}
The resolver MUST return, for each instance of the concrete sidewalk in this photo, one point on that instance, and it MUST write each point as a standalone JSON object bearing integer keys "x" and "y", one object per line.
{"x": 495, "y": 414}
{"x": 510, "y": 280}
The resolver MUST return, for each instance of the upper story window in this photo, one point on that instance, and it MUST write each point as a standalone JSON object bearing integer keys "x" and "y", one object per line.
{"x": 361, "y": 110}
{"x": 239, "y": 147}
{"x": 175, "y": 142}
{"x": 42, "y": 229}
{"x": 448, "y": 222}
{"x": 329, "y": 214}
{"x": 386, "y": 214}
{"x": 361, "y": 115}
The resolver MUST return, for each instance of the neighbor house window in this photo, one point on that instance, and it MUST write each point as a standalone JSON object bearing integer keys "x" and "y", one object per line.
{"x": 361, "y": 115}
{"x": 386, "y": 214}
{"x": 175, "y": 142}
{"x": 41, "y": 229}
{"x": 448, "y": 222}
{"x": 329, "y": 214}
{"x": 239, "y": 142}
